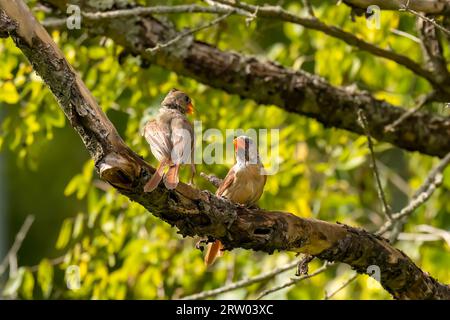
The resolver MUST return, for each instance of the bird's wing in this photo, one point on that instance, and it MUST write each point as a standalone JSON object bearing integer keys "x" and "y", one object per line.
{"x": 260, "y": 181}
{"x": 227, "y": 182}
{"x": 158, "y": 138}
{"x": 182, "y": 138}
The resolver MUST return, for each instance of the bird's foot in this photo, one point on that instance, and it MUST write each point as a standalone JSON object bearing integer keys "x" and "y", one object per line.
{"x": 191, "y": 183}
{"x": 200, "y": 245}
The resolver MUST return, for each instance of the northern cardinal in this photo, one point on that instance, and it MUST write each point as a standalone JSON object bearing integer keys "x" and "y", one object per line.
{"x": 244, "y": 184}
{"x": 171, "y": 139}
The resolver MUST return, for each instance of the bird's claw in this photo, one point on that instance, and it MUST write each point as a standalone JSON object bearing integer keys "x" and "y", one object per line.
{"x": 191, "y": 184}
{"x": 201, "y": 243}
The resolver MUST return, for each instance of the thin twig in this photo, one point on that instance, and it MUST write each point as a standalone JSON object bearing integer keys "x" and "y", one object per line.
{"x": 54, "y": 22}
{"x": 405, "y": 34}
{"x": 251, "y": 17}
{"x": 53, "y": 262}
{"x": 425, "y": 191}
{"x": 146, "y": 11}
{"x": 189, "y": 32}
{"x": 215, "y": 181}
{"x": 412, "y": 205}
{"x": 430, "y": 230}
{"x": 20, "y": 236}
{"x": 395, "y": 178}
{"x": 420, "y": 237}
{"x": 242, "y": 283}
{"x": 420, "y": 199}
{"x": 438, "y": 169}
{"x": 423, "y": 17}
{"x": 309, "y": 8}
{"x": 423, "y": 100}
{"x": 342, "y": 286}
{"x": 293, "y": 281}
{"x": 385, "y": 207}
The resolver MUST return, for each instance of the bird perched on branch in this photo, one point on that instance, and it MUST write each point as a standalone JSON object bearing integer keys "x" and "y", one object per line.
{"x": 171, "y": 139}
{"x": 244, "y": 184}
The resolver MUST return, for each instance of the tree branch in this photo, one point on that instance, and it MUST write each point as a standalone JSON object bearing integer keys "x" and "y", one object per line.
{"x": 278, "y": 13}
{"x": 422, "y": 101}
{"x": 12, "y": 253}
{"x": 268, "y": 12}
{"x": 330, "y": 295}
{"x": 425, "y": 18}
{"x": 187, "y": 33}
{"x": 196, "y": 212}
{"x": 147, "y": 11}
{"x": 272, "y": 84}
{"x": 432, "y": 48}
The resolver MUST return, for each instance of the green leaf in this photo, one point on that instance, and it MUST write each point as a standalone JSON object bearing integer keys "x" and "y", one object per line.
{"x": 45, "y": 277}
{"x": 27, "y": 287}
{"x": 64, "y": 234}
{"x": 96, "y": 53}
{"x": 73, "y": 185}
{"x": 8, "y": 93}
{"x": 351, "y": 164}
{"x": 78, "y": 225}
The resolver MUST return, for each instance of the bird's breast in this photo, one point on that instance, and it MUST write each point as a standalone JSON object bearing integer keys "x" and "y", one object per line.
{"x": 247, "y": 186}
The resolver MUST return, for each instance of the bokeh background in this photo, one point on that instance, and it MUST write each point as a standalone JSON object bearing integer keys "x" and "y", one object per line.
{"x": 122, "y": 251}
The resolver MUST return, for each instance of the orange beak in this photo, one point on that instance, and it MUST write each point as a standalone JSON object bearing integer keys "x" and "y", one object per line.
{"x": 190, "y": 108}
{"x": 238, "y": 143}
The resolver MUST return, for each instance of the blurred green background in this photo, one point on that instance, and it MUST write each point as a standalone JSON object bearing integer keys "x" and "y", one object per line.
{"x": 122, "y": 251}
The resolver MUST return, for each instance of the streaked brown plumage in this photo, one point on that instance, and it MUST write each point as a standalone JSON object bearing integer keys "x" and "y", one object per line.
{"x": 171, "y": 139}
{"x": 244, "y": 184}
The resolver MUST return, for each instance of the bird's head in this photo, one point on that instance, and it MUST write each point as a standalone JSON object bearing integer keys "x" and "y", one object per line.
{"x": 246, "y": 150}
{"x": 178, "y": 100}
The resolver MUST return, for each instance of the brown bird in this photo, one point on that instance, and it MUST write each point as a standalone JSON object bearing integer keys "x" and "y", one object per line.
{"x": 244, "y": 184}
{"x": 171, "y": 139}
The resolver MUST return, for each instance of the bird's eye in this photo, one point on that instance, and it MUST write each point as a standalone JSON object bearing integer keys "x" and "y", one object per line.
{"x": 186, "y": 99}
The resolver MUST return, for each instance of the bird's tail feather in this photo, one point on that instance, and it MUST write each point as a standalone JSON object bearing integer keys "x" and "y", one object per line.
{"x": 214, "y": 250}
{"x": 171, "y": 178}
{"x": 156, "y": 178}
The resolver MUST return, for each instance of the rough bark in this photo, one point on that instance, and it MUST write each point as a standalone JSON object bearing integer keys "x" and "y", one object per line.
{"x": 196, "y": 212}
{"x": 269, "y": 83}
{"x": 280, "y": 14}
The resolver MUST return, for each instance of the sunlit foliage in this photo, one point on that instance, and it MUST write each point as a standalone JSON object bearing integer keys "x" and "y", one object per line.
{"x": 122, "y": 251}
